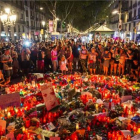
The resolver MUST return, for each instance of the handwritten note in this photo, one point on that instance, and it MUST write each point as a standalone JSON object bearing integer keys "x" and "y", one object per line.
{"x": 49, "y": 96}
{"x": 10, "y": 100}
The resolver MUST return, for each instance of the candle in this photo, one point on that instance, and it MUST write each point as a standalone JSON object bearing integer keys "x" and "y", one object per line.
{"x": 23, "y": 129}
{"x": 77, "y": 126}
{"x": 96, "y": 107}
{"x": 27, "y": 123}
{"x": 138, "y": 131}
{"x": 8, "y": 114}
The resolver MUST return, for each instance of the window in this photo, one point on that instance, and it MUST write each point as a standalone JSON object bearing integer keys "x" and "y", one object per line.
{"x": 21, "y": 16}
{"x": 26, "y": 13}
{"x": 139, "y": 11}
{"x": 26, "y": 3}
{"x": 14, "y": 29}
{"x": 2, "y": 27}
{"x": 19, "y": 28}
{"x": 130, "y": 15}
{"x": 135, "y": 13}
{"x": 129, "y": 26}
{"x": 134, "y": 24}
{"x": 23, "y": 28}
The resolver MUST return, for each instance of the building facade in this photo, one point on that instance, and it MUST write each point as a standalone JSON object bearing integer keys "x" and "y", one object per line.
{"x": 29, "y": 20}
{"x": 130, "y": 16}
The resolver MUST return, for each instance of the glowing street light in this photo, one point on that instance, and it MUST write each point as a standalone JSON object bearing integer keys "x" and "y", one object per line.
{"x": 43, "y": 23}
{"x": 7, "y": 17}
{"x": 115, "y": 12}
{"x": 57, "y": 19}
{"x": 41, "y": 8}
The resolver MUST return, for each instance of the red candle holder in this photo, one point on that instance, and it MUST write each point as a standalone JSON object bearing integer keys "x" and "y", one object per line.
{"x": 27, "y": 123}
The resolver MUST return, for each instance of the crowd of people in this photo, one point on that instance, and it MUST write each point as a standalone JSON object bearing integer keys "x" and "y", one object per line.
{"x": 108, "y": 57}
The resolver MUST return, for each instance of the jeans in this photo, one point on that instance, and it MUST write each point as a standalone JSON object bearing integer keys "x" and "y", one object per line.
{"x": 55, "y": 65}
{"x": 76, "y": 63}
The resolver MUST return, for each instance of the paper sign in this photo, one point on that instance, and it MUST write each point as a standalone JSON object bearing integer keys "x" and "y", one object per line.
{"x": 137, "y": 137}
{"x": 2, "y": 125}
{"x": 126, "y": 98}
{"x": 54, "y": 138}
{"x": 38, "y": 75}
{"x": 50, "y": 126}
{"x": 10, "y": 100}
{"x": 47, "y": 133}
{"x": 126, "y": 133}
{"x": 49, "y": 96}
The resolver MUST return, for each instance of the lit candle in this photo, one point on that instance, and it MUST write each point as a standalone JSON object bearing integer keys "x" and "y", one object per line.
{"x": 96, "y": 107}
{"x": 8, "y": 114}
{"x": 23, "y": 129}
{"x": 77, "y": 126}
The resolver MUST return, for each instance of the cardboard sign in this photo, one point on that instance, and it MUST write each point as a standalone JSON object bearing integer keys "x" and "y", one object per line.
{"x": 10, "y": 100}
{"x": 126, "y": 98}
{"x": 2, "y": 125}
{"x": 49, "y": 96}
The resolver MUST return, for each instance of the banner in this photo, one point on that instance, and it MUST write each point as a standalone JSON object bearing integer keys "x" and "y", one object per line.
{"x": 49, "y": 96}
{"x": 50, "y": 25}
{"x": 10, "y": 100}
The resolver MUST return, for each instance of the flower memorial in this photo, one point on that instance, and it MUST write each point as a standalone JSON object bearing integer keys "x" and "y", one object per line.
{"x": 71, "y": 107}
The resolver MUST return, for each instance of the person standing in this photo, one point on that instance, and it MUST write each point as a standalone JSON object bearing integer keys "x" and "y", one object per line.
{"x": 107, "y": 57}
{"x": 6, "y": 59}
{"x": 75, "y": 51}
{"x": 25, "y": 57}
{"x": 41, "y": 57}
{"x": 122, "y": 62}
{"x": 14, "y": 56}
{"x": 54, "y": 58}
{"x": 92, "y": 61}
{"x": 100, "y": 51}
{"x": 69, "y": 57}
{"x": 83, "y": 58}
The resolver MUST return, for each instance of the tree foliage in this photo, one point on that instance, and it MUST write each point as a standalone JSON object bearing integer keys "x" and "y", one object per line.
{"x": 81, "y": 14}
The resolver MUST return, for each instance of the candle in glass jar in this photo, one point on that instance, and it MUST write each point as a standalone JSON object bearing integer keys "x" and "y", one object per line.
{"x": 77, "y": 126}
{"x": 27, "y": 123}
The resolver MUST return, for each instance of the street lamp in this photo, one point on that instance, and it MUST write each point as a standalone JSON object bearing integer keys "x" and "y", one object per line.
{"x": 57, "y": 19}
{"x": 41, "y": 8}
{"x": 8, "y": 17}
{"x": 115, "y": 12}
{"x": 43, "y": 23}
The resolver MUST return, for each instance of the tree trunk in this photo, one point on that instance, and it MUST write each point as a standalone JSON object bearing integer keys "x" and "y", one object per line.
{"x": 61, "y": 27}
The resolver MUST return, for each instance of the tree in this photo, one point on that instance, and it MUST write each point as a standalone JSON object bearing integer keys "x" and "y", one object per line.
{"x": 64, "y": 10}
{"x": 80, "y": 14}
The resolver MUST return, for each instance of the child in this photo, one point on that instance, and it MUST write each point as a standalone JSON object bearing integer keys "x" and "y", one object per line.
{"x": 62, "y": 64}
{"x": 92, "y": 60}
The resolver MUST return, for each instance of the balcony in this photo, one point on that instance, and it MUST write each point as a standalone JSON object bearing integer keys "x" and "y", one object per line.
{"x": 32, "y": 17}
{"x": 130, "y": 19}
{"x": 130, "y": 7}
{"x": 32, "y": 27}
{"x": 38, "y": 28}
{"x": 134, "y": 5}
{"x": 20, "y": 22}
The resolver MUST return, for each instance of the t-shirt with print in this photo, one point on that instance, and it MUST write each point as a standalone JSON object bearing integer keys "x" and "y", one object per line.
{"x": 6, "y": 58}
